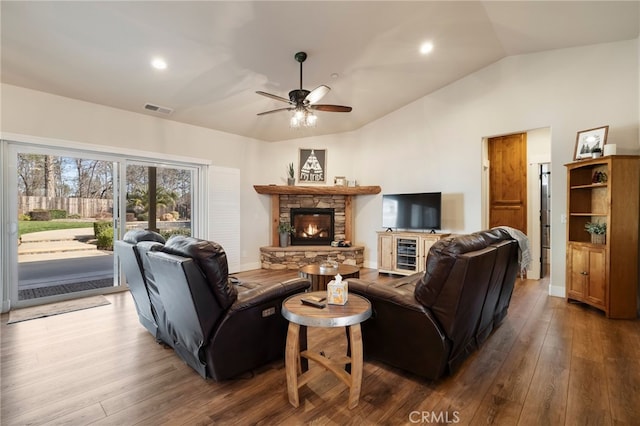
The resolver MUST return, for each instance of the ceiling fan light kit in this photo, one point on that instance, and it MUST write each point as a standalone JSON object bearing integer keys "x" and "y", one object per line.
{"x": 302, "y": 102}
{"x": 302, "y": 118}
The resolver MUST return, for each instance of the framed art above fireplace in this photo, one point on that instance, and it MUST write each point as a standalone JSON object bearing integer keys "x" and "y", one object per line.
{"x": 313, "y": 166}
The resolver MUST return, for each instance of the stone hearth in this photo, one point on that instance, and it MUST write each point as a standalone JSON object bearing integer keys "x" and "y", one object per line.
{"x": 294, "y": 257}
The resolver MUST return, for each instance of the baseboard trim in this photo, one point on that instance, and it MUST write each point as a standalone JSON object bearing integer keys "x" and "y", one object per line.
{"x": 556, "y": 291}
{"x": 371, "y": 264}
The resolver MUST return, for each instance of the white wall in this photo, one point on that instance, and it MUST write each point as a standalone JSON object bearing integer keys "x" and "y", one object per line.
{"x": 538, "y": 152}
{"x": 433, "y": 144}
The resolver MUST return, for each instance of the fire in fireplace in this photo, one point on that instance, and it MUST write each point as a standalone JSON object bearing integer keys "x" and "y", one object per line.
{"x": 312, "y": 226}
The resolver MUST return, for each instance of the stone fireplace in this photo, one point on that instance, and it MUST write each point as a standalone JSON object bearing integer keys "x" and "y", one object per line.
{"x": 338, "y": 198}
{"x": 312, "y": 226}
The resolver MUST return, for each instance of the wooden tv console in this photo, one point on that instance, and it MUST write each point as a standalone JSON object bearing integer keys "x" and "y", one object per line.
{"x": 404, "y": 253}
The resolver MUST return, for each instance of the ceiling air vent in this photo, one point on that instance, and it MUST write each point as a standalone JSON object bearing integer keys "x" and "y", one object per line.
{"x": 157, "y": 108}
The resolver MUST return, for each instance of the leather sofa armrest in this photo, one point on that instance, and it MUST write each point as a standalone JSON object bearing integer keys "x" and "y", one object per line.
{"x": 399, "y": 292}
{"x": 252, "y": 294}
{"x": 401, "y": 332}
{"x": 253, "y": 330}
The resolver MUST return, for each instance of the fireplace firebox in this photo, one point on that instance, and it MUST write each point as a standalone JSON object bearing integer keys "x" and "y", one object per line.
{"x": 312, "y": 226}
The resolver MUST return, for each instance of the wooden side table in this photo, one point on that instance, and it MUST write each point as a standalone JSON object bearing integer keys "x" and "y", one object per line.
{"x": 320, "y": 277}
{"x": 356, "y": 310}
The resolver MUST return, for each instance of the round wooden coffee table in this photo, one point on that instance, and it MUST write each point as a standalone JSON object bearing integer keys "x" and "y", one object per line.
{"x": 350, "y": 315}
{"x": 320, "y": 277}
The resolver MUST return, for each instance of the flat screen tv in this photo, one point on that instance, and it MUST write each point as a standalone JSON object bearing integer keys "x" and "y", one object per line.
{"x": 421, "y": 211}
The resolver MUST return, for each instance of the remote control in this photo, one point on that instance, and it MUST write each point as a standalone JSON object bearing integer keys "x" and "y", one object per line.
{"x": 313, "y": 303}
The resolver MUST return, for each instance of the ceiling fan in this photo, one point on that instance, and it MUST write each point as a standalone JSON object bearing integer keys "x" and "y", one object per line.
{"x": 303, "y": 102}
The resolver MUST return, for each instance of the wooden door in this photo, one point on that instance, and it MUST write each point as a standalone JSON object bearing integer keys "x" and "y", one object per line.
{"x": 508, "y": 181}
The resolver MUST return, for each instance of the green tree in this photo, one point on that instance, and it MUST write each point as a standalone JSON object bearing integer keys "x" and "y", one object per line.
{"x": 30, "y": 171}
{"x": 139, "y": 199}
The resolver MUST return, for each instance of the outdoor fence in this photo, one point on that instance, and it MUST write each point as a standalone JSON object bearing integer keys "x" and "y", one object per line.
{"x": 84, "y": 207}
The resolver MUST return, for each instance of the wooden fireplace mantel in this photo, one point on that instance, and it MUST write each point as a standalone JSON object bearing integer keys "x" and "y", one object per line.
{"x": 348, "y": 191}
{"x": 316, "y": 190}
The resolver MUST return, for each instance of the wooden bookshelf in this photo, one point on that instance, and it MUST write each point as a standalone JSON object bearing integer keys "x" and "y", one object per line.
{"x": 604, "y": 275}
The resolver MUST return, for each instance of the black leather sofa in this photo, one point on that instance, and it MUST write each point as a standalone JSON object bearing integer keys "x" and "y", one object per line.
{"x": 430, "y": 322}
{"x": 131, "y": 252}
{"x": 218, "y": 326}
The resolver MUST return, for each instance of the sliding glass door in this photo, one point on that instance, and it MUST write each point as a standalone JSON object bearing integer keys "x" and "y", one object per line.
{"x": 65, "y": 208}
{"x": 66, "y": 212}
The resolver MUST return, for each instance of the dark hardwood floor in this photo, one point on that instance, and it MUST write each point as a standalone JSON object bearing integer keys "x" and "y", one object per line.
{"x": 550, "y": 363}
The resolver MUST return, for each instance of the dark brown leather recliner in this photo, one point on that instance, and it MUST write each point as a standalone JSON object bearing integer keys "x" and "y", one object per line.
{"x": 131, "y": 252}
{"x": 501, "y": 284}
{"x": 221, "y": 328}
{"x": 428, "y": 323}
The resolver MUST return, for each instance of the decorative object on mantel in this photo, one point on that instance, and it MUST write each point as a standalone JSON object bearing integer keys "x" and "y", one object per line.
{"x": 339, "y": 181}
{"x": 598, "y": 231}
{"x": 284, "y": 229}
{"x": 610, "y": 149}
{"x": 589, "y": 140}
{"x": 291, "y": 175}
{"x": 313, "y": 165}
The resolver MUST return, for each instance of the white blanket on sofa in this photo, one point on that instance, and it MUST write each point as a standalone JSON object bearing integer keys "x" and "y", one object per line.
{"x": 524, "y": 254}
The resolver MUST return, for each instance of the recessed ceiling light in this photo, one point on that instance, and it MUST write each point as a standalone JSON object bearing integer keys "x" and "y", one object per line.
{"x": 159, "y": 63}
{"x": 426, "y": 47}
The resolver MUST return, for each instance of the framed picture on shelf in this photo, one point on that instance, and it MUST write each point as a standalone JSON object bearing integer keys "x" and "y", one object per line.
{"x": 590, "y": 140}
{"x": 313, "y": 166}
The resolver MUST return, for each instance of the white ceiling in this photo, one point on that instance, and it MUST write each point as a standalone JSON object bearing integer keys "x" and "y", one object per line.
{"x": 220, "y": 53}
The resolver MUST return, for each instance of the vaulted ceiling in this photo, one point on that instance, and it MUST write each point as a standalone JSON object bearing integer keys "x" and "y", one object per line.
{"x": 220, "y": 53}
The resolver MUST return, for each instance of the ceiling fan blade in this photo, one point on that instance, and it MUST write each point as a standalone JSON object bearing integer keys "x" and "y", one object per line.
{"x": 275, "y": 110}
{"x": 276, "y": 97}
{"x": 316, "y": 94}
{"x": 331, "y": 108}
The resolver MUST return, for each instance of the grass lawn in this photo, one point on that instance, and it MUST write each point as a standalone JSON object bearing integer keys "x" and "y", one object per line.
{"x": 28, "y": 226}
